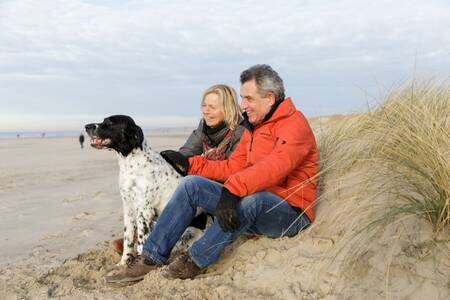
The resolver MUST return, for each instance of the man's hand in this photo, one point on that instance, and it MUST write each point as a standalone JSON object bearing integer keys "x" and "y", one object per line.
{"x": 226, "y": 211}
{"x": 178, "y": 161}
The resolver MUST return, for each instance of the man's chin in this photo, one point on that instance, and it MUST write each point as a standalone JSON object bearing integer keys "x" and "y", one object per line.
{"x": 254, "y": 121}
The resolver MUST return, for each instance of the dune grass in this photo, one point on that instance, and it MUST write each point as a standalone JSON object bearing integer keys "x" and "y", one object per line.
{"x": 387, "y": 167}
{"x": 410, "y": 151}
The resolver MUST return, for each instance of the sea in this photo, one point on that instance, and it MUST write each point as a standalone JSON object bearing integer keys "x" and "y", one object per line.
{"x": 41, "y": 134}
{"x": 36, "y": 134}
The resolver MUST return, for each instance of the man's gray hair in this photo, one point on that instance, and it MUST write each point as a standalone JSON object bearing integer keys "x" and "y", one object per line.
{"x": 267, "y": 80}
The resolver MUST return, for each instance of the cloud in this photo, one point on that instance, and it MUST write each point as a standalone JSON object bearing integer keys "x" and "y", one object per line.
{"x": 157, "y": 57}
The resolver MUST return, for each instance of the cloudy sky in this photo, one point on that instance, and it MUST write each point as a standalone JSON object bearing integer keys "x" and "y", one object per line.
{"x": 67, "y": 62}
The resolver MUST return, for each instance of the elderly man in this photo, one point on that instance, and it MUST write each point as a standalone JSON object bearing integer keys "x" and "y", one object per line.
{"x": 268, "y": 184}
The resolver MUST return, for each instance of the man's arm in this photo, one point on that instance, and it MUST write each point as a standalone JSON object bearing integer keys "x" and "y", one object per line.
{"x": 220, "y": 170}
{"x": 294, "y": 143}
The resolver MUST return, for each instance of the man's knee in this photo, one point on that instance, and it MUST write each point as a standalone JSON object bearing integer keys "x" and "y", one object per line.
{"x": 249, "y": 206}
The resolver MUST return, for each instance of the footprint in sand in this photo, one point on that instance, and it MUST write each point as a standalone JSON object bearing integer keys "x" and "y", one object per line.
{"x": 322, "y": 243}
{"x": 86, "y": 232}
{"x": 97, "y": 195}
{"x": 84, "y": 216}
{"x": 52, "y": 236}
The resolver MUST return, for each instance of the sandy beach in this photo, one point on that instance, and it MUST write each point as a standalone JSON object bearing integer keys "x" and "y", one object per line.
{"x": 60, "y": 207}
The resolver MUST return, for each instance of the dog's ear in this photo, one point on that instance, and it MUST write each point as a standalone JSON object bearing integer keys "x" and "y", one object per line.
{"x": 135, "y": 136}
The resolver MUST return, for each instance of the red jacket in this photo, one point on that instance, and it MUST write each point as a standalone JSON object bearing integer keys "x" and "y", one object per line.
{"x": 278, "y": 156}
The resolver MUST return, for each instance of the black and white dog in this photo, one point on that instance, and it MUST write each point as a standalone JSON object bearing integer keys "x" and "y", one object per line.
{"x": 146, "y": 180}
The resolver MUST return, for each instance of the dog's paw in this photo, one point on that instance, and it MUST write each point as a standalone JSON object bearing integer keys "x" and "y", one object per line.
{"x": 121, "y": 263}
{"x": 126, "y": 260}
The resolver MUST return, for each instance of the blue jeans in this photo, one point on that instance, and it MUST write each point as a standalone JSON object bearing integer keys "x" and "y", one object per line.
{"x": 262, "y": 213}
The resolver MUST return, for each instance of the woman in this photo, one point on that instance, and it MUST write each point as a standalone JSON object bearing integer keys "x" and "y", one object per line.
{"x": 216, "y": 136}
{"x": 218, "y": 132}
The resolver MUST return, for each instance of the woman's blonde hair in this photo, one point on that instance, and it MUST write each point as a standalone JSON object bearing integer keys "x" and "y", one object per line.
{"x": 231, "y": 110}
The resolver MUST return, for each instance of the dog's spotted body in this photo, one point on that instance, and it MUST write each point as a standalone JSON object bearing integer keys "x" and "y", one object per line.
{"x": 146, "y": 183}
{"x": 146, "y": 180}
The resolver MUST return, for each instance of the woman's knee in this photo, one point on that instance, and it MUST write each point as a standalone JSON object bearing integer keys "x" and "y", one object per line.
{"x": 190, "y": 182}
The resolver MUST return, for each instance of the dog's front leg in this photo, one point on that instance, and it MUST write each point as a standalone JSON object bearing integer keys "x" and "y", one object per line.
{"x": 144, "y": 227}
{"x": 128, "y": 236}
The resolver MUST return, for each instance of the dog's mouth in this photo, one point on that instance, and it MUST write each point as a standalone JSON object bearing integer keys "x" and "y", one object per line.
{"x": 99, "y": 143}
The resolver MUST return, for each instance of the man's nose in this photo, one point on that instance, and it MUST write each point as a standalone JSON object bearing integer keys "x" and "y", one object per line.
{"x": 243, "y": 104}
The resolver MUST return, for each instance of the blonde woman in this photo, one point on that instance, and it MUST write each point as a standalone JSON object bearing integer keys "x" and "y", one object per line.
{"x": 218, "y": 132}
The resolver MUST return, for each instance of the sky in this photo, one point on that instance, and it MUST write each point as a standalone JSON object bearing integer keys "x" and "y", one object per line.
{"x": 65, "y": 63}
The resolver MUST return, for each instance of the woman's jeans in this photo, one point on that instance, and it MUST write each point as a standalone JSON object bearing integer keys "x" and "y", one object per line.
{"x": 262, "y": 213}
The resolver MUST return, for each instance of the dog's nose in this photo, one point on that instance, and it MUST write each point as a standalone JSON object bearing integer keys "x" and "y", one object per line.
{"x": 90, "y": 126}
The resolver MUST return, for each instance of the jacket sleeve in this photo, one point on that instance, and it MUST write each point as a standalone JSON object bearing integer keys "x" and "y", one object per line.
{"x": 220, "y": 170}
{"x": 194, "y": 143}
{"x": 292, "y": 146}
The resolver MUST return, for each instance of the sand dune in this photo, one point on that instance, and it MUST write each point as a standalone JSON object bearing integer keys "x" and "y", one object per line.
{"x": 60, "y": 208}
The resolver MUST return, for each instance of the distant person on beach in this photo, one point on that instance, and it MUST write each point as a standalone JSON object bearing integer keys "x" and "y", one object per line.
{"x": 268, "y": 185}
{"x": 81, "y": 140}
{"x": 217, "y": 134}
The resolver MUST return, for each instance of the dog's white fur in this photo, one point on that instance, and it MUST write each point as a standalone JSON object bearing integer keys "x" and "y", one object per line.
{"x": 146, "y": 183}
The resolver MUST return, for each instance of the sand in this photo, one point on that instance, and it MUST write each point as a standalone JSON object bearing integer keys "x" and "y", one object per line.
{"x": 60, "y": 207}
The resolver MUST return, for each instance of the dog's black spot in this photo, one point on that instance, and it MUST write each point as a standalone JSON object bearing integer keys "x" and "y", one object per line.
{"x": 145, "y": 229}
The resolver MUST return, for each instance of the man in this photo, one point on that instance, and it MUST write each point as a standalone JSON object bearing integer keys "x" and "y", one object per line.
{"x": 269, "y": 186}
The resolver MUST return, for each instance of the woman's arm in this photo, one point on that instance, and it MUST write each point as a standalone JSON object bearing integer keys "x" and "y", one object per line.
{"x": 194, "y": 143}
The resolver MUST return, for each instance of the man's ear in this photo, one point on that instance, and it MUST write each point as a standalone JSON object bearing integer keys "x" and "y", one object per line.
{"x": 272, "y": 98}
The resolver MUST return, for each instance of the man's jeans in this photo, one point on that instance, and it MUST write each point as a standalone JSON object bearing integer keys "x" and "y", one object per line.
{"x": 262, "y": 213}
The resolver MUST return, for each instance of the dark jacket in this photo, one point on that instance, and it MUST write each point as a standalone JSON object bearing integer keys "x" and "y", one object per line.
{"x": 194, "y": 144}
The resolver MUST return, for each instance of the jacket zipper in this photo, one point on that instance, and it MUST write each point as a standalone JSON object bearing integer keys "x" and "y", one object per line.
{"x": 250, "y": 150}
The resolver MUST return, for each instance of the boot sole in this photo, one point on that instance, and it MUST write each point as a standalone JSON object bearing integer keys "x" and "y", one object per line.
{"x": 125, "y": 280}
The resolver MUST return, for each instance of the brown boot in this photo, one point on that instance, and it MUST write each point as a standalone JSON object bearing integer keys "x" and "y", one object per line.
{"x": 183, "y": 267}
{"x": 117, "y": 245}
{"x": 135, "y": 271}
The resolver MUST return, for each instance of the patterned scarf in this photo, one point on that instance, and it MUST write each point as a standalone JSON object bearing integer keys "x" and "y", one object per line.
{"x": 219, "y": 152}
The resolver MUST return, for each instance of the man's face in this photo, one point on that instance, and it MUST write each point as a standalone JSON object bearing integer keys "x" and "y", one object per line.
{"x": 254, "y": 104}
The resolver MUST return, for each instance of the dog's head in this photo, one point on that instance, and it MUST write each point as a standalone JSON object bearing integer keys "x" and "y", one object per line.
{"x": 116, "y": 132}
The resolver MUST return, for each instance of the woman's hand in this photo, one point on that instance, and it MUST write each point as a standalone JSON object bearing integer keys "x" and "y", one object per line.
{"x": 177, "y": 160}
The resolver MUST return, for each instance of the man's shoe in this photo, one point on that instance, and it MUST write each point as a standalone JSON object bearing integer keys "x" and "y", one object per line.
{"x": 117, "y": 245}
{"x": 135, "y": 271}
{"x": 183, "y": 267}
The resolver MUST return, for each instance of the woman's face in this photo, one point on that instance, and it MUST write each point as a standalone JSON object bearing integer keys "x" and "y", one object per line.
{"x": 212, "y": 110}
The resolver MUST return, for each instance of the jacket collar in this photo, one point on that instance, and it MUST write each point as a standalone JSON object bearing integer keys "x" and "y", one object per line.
{"x": 279, "y": 110}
